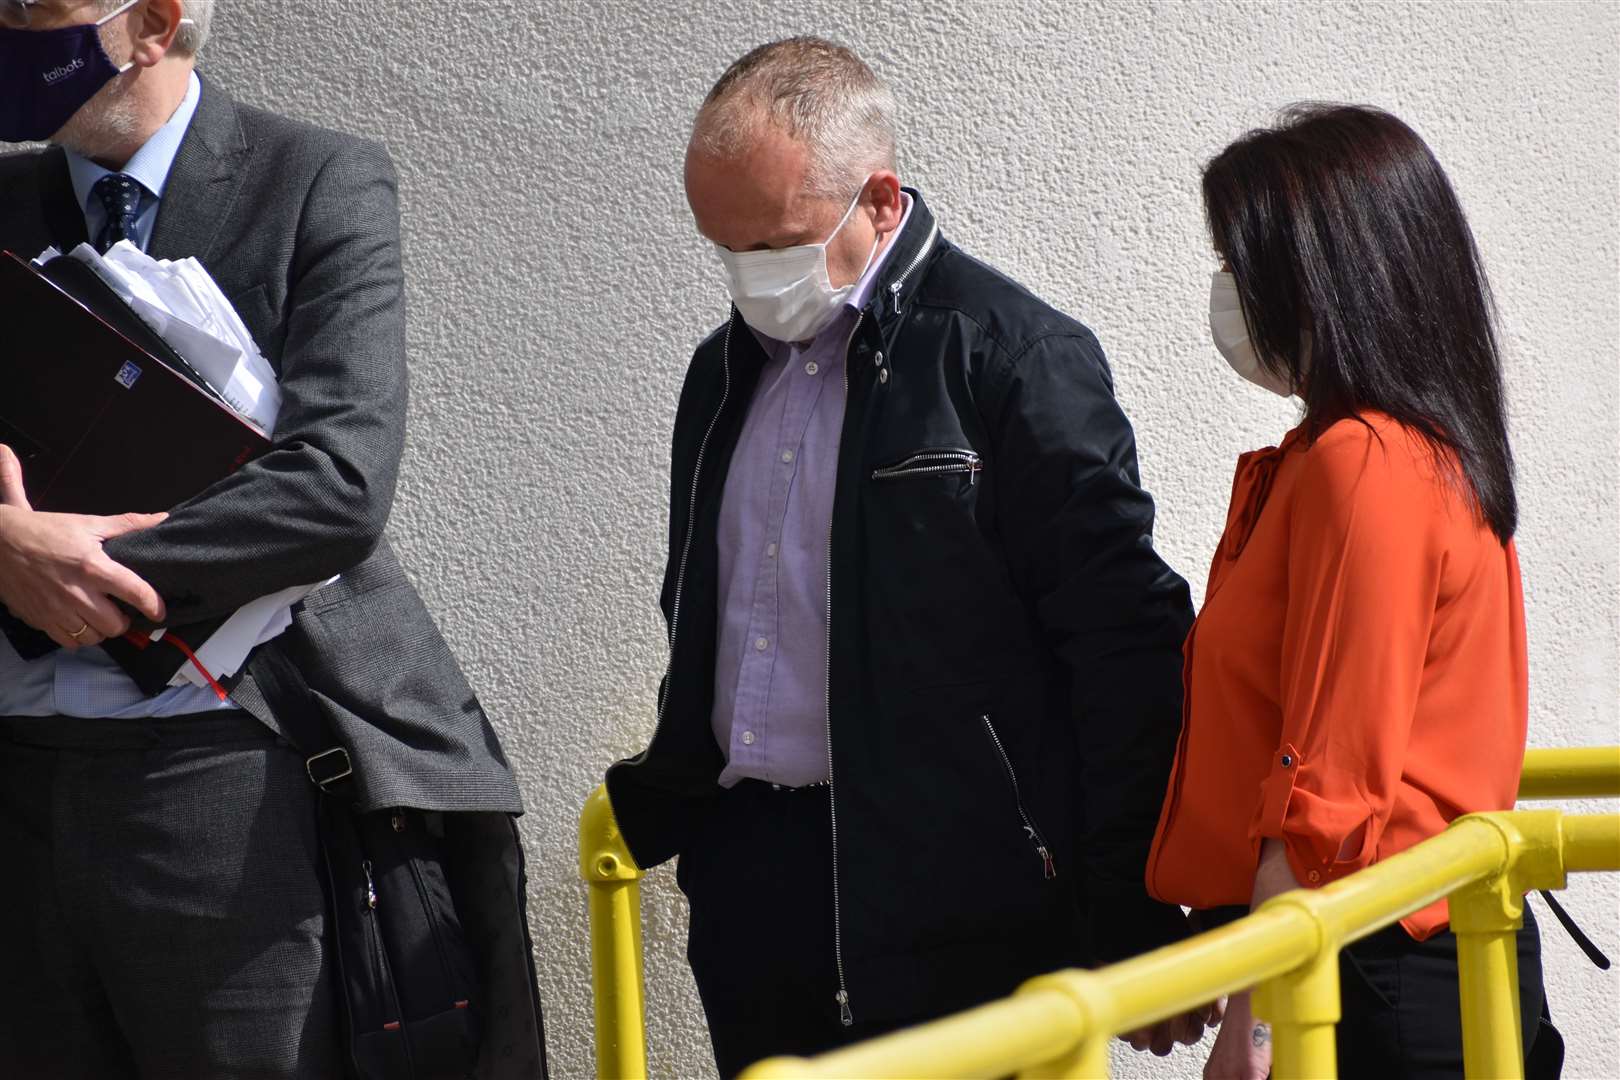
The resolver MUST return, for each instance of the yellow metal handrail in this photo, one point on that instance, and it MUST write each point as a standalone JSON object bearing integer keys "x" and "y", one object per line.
{"x": 1059, "y": 1025}
{"x": 1580, "y": 772}
{"x": 616, "y": 976}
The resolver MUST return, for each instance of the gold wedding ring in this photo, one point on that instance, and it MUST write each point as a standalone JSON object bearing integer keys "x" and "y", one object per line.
{"x": 77, "y": 633}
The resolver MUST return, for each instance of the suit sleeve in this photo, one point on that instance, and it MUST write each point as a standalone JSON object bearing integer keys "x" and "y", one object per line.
{"x": 315, "y": 505}
{"x": 1364, "y": 564}
{"x": 1078, "y": 528}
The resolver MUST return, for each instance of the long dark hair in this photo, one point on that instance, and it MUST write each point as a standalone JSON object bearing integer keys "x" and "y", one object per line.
{"x": 1342, "y": 230}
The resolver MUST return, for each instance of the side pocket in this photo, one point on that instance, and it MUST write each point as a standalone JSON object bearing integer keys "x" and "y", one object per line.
{"x": 1031, "y": 830}
{"x": 1378, "y": 976}
{"x": 933, "y": 463}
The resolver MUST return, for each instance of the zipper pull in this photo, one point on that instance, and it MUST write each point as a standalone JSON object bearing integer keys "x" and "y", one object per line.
{"x": 845, "y": 1017}
{"x": 894, "y": 291}
{"x": 975, "y": 467}
{"x": 1046, "y": 858}
{"x": 371, "y": 888}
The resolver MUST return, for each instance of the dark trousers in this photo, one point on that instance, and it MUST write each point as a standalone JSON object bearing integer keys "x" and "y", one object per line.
{"x": 758, "y": 879}
{"x": 161, "y": 914}
{"x": 1402, "y": 1017}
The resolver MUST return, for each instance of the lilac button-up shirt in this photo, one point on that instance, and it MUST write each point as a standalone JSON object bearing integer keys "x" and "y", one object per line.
{"x": 770, "y": 679}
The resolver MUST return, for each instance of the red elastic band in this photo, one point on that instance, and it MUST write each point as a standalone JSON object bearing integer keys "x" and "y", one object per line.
{"x": 183, "y": 647}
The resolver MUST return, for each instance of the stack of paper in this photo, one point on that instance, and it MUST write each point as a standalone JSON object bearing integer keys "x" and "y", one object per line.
{"x": 183, "y": 304}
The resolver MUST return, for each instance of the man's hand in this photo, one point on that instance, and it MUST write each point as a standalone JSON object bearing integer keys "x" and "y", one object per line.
{"x": 1186, "y": 1029}
{"x": 54, "y": 575}
{"x": 1242, "y": 1050}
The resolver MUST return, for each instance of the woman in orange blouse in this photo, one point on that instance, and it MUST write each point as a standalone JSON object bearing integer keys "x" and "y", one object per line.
{"x": 1357, "y": 677}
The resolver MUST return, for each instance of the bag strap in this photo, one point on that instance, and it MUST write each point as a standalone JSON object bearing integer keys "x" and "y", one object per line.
{"x": 327, "y": 761}
{"x": 1586, "y": 944}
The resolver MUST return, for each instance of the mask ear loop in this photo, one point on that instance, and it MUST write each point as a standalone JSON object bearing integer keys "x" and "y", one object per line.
{"x": 111, "y": 15}
{"x": 876, "y": 240}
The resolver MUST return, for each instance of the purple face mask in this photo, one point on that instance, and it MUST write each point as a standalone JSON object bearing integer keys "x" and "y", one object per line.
{"x": 47, "y": 75}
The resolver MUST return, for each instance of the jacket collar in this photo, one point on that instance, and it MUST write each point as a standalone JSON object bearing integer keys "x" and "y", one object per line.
{"x": 63, "y": 218}
{"x": 204, "y": 182}
{"x": 902, "y": 273}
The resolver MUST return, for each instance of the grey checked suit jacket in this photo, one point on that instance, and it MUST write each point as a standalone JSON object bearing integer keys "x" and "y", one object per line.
{"x": 300, "y": 228}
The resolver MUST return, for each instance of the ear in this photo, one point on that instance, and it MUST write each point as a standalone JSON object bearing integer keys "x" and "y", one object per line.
{"x": 152, "y": 29}
{"x": 889, "y": 209}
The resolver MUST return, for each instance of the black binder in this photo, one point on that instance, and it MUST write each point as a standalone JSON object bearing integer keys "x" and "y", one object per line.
{"x": 107, "y": 418}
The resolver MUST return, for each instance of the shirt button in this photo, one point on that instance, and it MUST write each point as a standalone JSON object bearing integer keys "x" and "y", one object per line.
{"x": 762, "y": 644}
{"x": 770, "y": 549}
{"x": 787, "y": 457}
{"x": 748, "y": 738}
{"x": 883, "y": 374}
{"x": 878, "y": 359}
{"x": 811, "y": 368}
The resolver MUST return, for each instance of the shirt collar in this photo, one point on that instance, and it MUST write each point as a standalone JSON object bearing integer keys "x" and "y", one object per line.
{"x": 152, "y": 163}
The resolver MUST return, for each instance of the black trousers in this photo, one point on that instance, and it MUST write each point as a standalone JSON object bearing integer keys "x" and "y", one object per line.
{"x": 758, "y": 879}
{"x": 1402, "y": 1016}
{"x": 161, "y": 915}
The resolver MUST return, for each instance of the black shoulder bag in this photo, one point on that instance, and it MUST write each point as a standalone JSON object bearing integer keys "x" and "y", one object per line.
{"x": 407, "y": 976}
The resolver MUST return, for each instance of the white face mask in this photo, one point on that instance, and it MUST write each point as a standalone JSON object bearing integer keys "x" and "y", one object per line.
{"x": 786, "y": 294}
{"x": 1231, "y": 334}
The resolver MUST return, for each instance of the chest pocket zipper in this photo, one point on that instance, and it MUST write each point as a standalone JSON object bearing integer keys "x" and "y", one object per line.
{"x": 1030, "y": 828}
{"x": 934, "y": 463}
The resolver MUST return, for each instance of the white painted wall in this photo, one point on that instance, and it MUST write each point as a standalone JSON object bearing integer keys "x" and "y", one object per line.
{"x": 557, "y": 286}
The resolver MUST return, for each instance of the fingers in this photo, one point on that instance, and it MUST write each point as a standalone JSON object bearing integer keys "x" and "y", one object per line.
{"x": 11, "y": 479}
{"x": 1164, "y": 1039}
{"x": 118, "y": 524}
{"x": 1140, "y": 1039}
{"x": 124, "y": 584}
{"x": 101, "y": 615}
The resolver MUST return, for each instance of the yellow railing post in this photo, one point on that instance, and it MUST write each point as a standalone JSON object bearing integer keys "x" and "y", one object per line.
{"x": 616, "y": 975}
{"x": 1302, "y": 1005}
{"x": 1486, "y": 916}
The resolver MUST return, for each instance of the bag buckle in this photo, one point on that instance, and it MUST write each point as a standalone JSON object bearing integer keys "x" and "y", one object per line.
{"x": 333, "y": 766}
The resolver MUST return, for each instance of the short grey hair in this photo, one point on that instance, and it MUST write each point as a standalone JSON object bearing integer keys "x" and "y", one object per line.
{"x": 816, "y": 92}
{"x": 193, "y": 33}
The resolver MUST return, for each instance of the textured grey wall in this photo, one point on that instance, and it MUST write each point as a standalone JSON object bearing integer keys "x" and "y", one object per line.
{"x": 557, "y": 286}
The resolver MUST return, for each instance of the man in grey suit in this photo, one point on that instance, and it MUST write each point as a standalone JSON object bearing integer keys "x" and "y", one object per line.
{"x": 161, "y": 913}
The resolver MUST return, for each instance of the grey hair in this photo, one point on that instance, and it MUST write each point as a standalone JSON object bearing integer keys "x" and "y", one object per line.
{"x": 193, "y": 32}
{"x": 816, "y": 92}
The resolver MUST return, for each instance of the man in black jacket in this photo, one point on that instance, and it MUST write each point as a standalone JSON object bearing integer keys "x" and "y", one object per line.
{"x": 924, "y": 684}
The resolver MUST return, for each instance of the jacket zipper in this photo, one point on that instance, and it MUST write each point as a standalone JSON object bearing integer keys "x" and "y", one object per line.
{"x": 845, "y": 1016}
{"x": 927, "y": 462}
{"x": 691, "y": 528}
{"x": 897, "y": 283}
{"x": 1030, "y": 829}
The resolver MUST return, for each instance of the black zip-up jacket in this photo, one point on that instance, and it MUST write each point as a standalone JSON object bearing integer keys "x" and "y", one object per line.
{"x": 1005, "y": 686}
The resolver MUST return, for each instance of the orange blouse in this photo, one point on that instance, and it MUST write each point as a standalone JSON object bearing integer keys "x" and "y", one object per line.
{"x": 1357, "y": 677}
